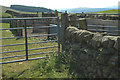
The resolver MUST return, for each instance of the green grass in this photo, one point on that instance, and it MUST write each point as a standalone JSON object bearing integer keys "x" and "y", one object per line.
{"x": 46, "y": 68}
{"x": 41, "y": 68}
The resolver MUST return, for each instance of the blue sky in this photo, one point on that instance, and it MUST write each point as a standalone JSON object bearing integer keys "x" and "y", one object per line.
{"x": 59, "y": 4}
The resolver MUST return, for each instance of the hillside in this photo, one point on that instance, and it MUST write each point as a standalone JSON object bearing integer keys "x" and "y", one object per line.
{"x": 6, "y": 15}
{"x": 108, "y": 11}
{"x": 3, "y": 9}
{"x": 82, "y": 9}
{"x": 30, "y": 8}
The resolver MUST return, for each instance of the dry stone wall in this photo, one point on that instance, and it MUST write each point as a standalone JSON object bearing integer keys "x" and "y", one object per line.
{"x": 93, "y": 55}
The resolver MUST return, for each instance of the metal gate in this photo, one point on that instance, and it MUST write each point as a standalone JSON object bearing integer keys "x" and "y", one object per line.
{"x": 26, "y": 38}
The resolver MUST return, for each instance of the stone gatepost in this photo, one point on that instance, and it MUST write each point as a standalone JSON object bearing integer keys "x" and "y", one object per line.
{"x": 64, "y": 25}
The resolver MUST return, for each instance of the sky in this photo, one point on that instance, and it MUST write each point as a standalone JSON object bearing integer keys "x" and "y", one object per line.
{"x": 60, "y": 4}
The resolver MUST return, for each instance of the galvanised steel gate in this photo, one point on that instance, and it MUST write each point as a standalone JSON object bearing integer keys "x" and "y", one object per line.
{"x": 25, "y": 37}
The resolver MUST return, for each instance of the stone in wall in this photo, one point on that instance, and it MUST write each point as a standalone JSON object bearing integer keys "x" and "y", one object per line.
{"x": 96, "y": 40}
{"x": 117, "y": 44}
{"x": 108, "y": 41}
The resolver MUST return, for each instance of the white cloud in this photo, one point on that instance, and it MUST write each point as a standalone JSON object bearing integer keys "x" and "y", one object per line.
{"x": 55, "y": 4}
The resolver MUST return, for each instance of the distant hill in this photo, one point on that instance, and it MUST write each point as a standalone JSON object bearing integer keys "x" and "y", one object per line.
{"x": 6, "y": 15}
{"x": 108, "y": 11}
{"x": 80, "y": 10}
{"x": 30, "y": 8}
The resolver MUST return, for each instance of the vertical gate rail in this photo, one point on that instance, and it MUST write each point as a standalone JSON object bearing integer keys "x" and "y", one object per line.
{"x": 26, "y": 39}
{"x": 26, "y": 43}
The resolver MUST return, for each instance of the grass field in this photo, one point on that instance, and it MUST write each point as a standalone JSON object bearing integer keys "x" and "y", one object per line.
{"x": 41, "y": 68}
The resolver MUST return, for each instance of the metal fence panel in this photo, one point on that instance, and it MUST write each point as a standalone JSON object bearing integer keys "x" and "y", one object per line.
{"x": 54, "y": 31}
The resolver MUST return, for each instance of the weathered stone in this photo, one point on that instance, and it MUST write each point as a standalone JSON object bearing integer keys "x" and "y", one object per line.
{"x": 96, "y": 40}
{"x": 71, "y": 29}
{"x": 104, "y": 34}
{"x": 111, "y": 41}
{"x": 105, "y": 42}
{"x": 83, "y": 57}
{"x": 75, "y": 46}
{"x": 113, "y": 60}
{"x": 84, "y": 36}
{"x": 100, "y": 59}
{"x": 117, "y": 44}
{"x": 105, "y": 51}
{"x": 106, "y": 71}
{"x": 99, "y": 72}
{"x": 89, "y": 69}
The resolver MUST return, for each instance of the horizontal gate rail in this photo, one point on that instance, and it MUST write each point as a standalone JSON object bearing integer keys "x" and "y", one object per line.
{"x": 43, "y": 48}
{"x": 30, "y": 36}
{"x": 100, "y": 26}
{"x": 29, "y": 27}
{"x": 28, "y": 54}
{"x": 98, "y": 30}
{"x": 28, "y": 43}
{"x": 11, "y": 28}
{"x": 44, "y": 35}
{"x": 34, "y": 18}
{"x": 12, "y": 51}
{"x": 13, "y": 37}
{"x": 28, "y": 49}
{"x": 23, "y": 60}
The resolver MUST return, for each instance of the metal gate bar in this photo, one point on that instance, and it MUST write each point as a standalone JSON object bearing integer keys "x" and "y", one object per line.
{"x": 28, "y": 55}
{"x": 42, "y": 27}
{"x": 23, "y": 60}
{"x": 30, "y": 36}
{"x": 28, "y": 43}
{"x": 28, "y": 49}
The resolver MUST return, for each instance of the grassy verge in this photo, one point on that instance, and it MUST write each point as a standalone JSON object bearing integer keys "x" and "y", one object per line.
{"x": 46, "y": 68}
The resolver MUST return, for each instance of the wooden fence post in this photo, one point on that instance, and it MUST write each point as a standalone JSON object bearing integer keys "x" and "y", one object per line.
{"x": 64, "y": 25}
